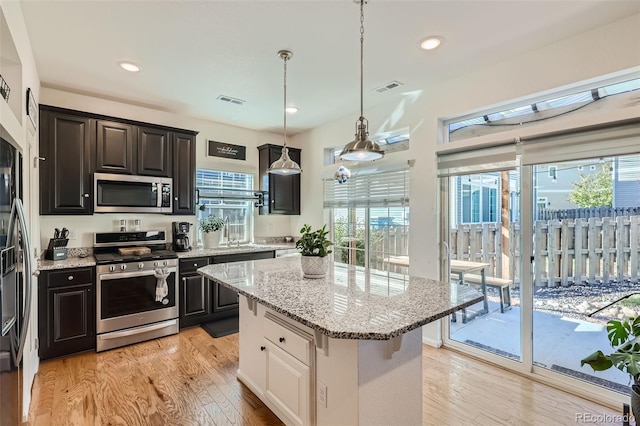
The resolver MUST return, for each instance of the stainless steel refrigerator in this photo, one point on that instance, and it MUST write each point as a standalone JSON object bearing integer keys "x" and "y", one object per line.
{"x": 15, "y": 284}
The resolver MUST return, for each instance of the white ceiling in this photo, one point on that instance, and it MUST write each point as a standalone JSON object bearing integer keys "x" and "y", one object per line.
{"x": 193, "y": 51}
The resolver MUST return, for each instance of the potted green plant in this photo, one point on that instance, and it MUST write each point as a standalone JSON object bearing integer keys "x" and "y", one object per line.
{"x": 624, "y": 336}
{"x": 314, "y": 247}
{"x": 211, "y": 228}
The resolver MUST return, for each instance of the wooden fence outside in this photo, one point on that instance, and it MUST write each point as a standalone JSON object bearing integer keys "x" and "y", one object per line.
{"x": 566, "y": 251}
{"x": 587, "y": 212}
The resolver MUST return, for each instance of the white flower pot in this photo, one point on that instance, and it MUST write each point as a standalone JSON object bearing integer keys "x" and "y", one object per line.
{"x": 211, "y": 239}
{"x": 314, "y": 266}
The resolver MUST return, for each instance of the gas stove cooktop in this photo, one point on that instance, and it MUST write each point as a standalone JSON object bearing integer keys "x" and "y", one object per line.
{"x": 106, "y": 245}
{"x": 107, "y": 258}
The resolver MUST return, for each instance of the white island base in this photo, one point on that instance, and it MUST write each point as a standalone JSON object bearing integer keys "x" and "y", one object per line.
{"x": 306, "y": 378}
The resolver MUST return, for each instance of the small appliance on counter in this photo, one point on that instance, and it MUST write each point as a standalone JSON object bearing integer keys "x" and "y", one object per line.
{"x": 181, "y": 236}
{"x": 57, "y": 249}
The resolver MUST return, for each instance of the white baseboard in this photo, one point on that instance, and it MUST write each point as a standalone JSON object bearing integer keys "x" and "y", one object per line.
{"x": 436, "y": 343}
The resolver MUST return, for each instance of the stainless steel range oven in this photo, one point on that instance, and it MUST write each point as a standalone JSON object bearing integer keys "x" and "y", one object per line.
{"x": 137, "y": 290}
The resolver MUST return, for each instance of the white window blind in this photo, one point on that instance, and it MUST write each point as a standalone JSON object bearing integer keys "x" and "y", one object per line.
{"x": 622, "y": 139}
{"x": 482, "y": 160}
{"x": 373, "y": 190}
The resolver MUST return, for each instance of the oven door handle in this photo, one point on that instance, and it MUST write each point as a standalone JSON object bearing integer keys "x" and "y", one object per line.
{"x": 138, "y": 330}
{"x": 117, "y": 276}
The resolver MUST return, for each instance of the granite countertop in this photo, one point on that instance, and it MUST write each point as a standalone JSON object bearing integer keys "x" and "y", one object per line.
{"x": 89, "y": 260}
{"x": 247, "y": 248}
{"x": 347, "y": 304}
{"x": 70, "y": 262}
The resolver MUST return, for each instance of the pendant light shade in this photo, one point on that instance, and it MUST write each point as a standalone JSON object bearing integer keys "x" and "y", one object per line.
{"x": 362, "y": 148}
{"x": 285, "y": 165}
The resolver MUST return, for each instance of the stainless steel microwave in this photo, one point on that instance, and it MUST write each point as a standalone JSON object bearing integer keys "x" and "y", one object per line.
{"x": 113, "y": 193}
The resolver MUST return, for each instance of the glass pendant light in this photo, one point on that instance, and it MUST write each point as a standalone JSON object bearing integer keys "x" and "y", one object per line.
{"x": 285, "y": 165}
{"x": 362, "y": 148}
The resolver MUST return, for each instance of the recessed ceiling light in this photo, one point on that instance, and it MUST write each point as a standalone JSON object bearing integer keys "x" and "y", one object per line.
{"x": 129, "y": 66}
{"x": 291, "y": 109}
{"x": 430, "y": 43}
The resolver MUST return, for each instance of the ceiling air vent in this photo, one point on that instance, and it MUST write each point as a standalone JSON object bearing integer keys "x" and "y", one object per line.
{"x": 226, "y": 98}
{"x": 391, "y": 85}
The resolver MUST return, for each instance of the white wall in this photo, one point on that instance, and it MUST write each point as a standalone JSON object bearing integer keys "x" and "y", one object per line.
{"x": 601, "y": 51}
{"x": 25, "y": 139}
{"x": 84, "y": 226}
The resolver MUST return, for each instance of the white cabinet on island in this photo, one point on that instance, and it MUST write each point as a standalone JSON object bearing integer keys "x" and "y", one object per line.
{"x": 346, "y": 349}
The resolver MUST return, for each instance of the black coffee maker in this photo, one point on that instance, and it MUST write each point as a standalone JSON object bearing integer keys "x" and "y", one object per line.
{"x": 181, "y": 236}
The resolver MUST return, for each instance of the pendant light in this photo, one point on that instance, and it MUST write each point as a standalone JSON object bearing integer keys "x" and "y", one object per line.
{"x": 362, "y": 148}
{"x": 285, "y": 165}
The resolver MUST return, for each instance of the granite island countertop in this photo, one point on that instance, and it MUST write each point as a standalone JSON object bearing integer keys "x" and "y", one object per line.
{"x": 347, "y": 304}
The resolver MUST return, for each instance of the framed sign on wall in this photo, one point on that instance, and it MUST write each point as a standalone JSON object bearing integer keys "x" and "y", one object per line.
{"x": 226, "y": 150}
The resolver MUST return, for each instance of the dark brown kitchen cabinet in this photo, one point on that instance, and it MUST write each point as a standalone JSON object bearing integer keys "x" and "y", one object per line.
{"x": 203, "y": 300}
{"x": 194, "y": 292}
{"x": 284, "y": 191}
{"x": 114, "y": 147}
{"x": 153, "y": 152}
{"x": 66, "y": 312}
{"x": 65, "y": 175}
{"x": 76, "y": 144}
{"x": 184, "y": 173}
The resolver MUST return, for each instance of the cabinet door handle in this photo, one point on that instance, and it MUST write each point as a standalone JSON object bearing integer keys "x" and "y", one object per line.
{"x": 195, "y": 264}
{"x": 175, "y": 198}
{"x": 85, "y": 195}
{"x": 184, "y": 280}
{"x": 281, "y": 340}
{"x": 70, "y": 277}
{"x": 262, "y": 348}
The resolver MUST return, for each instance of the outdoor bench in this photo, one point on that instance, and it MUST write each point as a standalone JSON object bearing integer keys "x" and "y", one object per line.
{"x": 503, "y": 286}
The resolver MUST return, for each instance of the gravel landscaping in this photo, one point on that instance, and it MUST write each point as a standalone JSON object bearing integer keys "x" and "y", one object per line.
{"x": 579, "y": 300}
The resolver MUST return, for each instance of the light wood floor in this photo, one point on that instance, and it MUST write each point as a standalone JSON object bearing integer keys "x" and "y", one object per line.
{"x": 189, "y": 379}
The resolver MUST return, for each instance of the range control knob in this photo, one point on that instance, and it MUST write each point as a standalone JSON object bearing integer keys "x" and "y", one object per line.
{"x": 164, "y": 263}
{"x": 156, "y": 264}
{"x": 112, "y": 268}
{"x": 123, "y": 266}
{"x": 140, "y": 265}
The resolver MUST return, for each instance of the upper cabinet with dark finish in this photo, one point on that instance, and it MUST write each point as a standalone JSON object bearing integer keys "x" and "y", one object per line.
{"x": 65, "y": 175}
{"x": 184, "y": 173}
{"x": 114, "y": 147}
{"x": 77, "y": 144}
{"x": 153, "y": 152}
{"x": 284, "y": 191}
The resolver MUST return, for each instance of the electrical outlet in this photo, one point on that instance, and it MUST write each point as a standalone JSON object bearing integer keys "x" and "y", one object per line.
{"x": 322, "y": 394}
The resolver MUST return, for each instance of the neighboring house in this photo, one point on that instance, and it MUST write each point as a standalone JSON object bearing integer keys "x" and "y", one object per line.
{"x": 477, "y": 197}
{"x": 626, "y": 183}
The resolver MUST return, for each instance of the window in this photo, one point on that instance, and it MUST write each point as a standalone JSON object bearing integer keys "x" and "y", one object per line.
{"x": 370, "y": 221}
{"x": 390, "y": 142}
{"x": 228, "y": 195}
{"x": 535, "y": 111}
{"x": 478, "y": 198}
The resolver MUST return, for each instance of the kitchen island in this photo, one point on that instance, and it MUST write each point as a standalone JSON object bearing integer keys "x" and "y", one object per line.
{"x": 346, "y": 349}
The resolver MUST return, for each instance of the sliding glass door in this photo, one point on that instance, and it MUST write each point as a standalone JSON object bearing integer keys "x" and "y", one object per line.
{"x": 560, "y": 229}
{"x": 483, "y": 253}
{"x": 586, "y": 223}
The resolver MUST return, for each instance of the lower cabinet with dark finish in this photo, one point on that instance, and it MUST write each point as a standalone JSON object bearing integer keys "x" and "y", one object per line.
{"x": 202, "y": 300}
{"x": 66, "y": 308}
{"x": 194, "y": 292}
